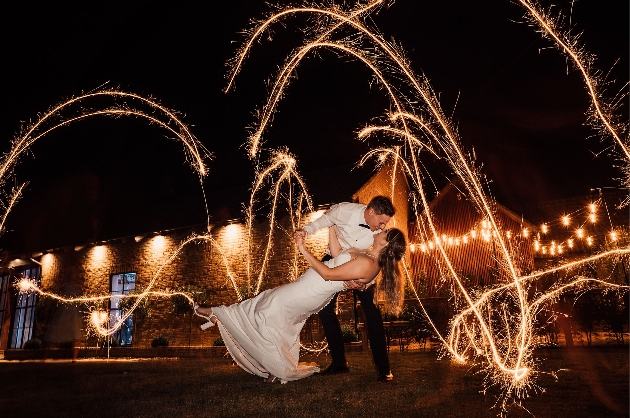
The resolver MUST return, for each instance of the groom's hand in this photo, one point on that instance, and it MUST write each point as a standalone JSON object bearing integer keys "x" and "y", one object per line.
{"x": 354, "y": 285}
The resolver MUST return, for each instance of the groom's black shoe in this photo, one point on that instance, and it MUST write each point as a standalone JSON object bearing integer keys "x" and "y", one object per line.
{"x": 384, "y": 377}
{"x": 336, "y": 369}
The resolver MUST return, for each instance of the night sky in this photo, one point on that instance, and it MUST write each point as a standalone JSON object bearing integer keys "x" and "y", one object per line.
{"x": 514, "y": 99}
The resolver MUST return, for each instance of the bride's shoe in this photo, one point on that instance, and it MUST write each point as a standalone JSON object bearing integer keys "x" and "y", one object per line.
{"x": 271, "y": 379}
{"x": 207, "y": 318}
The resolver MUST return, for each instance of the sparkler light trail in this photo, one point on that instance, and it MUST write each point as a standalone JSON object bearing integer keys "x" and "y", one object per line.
{"x": 602, "y": 112}
{"x": 496, "y": 326}
{"x": 98, "y": 318}
{"x": 74, "y": 110}
{"x": 284, "y": 163}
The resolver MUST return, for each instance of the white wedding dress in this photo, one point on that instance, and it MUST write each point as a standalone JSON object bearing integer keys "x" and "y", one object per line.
{"x": 262, "y": 334}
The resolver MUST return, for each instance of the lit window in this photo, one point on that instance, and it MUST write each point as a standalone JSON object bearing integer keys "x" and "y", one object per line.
{"x": 24, "y": 315}
{"x": 121, "y": 284}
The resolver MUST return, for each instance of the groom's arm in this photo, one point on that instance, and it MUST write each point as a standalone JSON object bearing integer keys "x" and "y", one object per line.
{"x": 328, "y": 219}
{"x": 338, "y": 214}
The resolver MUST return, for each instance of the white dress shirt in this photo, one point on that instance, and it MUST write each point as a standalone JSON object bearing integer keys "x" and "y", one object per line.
{"x": 347, "y": 219}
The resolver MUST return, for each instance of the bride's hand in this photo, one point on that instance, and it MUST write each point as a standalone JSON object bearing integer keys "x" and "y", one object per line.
{"x": 299, "y": 237}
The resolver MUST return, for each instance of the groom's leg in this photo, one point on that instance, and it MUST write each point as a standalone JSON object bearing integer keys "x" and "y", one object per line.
{"x": 376, "y": 332}
{"x": 332, "y": 330}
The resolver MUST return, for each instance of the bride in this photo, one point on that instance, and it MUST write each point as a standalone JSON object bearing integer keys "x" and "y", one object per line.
{"x": 262, "y": 334}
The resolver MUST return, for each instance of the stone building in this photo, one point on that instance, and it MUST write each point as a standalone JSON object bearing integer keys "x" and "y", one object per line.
{"x": 149, "y": 255}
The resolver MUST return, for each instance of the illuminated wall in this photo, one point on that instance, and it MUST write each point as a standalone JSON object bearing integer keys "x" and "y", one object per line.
{"x": 199, "y": 265}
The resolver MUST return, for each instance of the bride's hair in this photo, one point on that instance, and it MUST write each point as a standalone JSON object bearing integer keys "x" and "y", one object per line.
{"x": 391, "y": 281}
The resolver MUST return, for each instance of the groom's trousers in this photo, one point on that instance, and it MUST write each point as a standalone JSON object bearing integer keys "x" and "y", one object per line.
{"x": 373, "y": 322}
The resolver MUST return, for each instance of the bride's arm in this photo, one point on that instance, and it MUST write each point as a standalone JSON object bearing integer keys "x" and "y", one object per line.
{"x": 333, "y": 242}
{"x": 360, "y": 269}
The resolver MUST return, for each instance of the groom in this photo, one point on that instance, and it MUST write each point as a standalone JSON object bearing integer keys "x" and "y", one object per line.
{"x": 356, "y": 225}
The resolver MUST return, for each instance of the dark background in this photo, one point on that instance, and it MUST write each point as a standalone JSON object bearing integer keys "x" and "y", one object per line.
{"x": 514, "y": 99}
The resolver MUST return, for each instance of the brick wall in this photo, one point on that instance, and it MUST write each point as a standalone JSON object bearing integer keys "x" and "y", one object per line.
{"x": 215, "y": 266}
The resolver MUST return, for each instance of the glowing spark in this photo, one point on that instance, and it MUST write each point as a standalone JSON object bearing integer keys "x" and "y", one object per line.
{"x": 98, "y": 318}
{"x": 26, "y": 285}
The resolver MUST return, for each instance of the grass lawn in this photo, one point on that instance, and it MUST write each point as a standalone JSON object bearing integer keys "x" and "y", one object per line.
{"x": 592, "y": 382}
